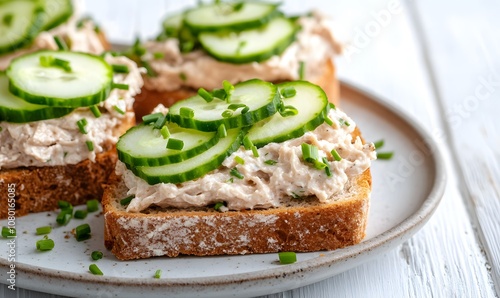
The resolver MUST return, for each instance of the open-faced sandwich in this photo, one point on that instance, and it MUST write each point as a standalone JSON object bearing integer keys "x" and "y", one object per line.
{"x": 254, "y": 167}
{"x": 61, "y": 114}
{"x": 235, "y": 41}
{"x": 31, "y": 25}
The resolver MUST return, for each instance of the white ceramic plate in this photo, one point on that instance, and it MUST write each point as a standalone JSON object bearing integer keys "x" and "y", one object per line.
{"x": 406, "y": 191}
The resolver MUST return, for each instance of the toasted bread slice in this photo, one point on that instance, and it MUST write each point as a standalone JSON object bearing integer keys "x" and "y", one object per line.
{"x": 299, "y": 226}
{"x": 148, "y": 99}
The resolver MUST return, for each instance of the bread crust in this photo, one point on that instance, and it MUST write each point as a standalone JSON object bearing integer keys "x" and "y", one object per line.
{"x": 299, "y": 226}
{"x": 148, "y": 99}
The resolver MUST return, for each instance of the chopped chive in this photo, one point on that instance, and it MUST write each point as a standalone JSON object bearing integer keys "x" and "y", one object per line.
{"x": 379, "y": 144}
{"x": 235, "y": 173}
{"x": 46, "y": 61}
{"x": 245, "y": 110}
{"x": 8, "y": 232}
{"x": 220, "y": 94}
{"x": 227, "y": 114}
{"x": 90, "y": 145}
{"x": 165, "y": 133}
{"x": 328, "y": 171}
{"x": 126, "y": 200}
{"x": 82, "y": 232}
{"x": 385, "y": 155}
{"x": 239, "y": 160}
{"x": 287, "y": 111}
{"x": 92, "y": 205}
{"x": 64, "y": 216}
{"x": 158, "y": 55}
{"x": 157, "y": 273}
{"x": 247, "y": 143}
{"x": 45, "y": 244}
{"x": 120, "y": 68}
{"x": 186, "y": 112}
{"x": 332, "y": 106}
{"x": 95, "y": 270}
{"x": 270, "y": 162}
{"x": 43, "y": 230}
{"x": 241, "y": 44}
{"x": 336, "y": 155}
{"x": 119, "y": 86}
{"x": 95, "y": 110}
{"x": 205, "y": 95}
{"x": 96, "y": 255}
{"x": 235, "y": 106}
{"x": 149, "y": 70}
{"x": 7, "y": 19}
{"x": 302, "y": 70}
{"x": 344, "y": 122}
{"x": 183, "y": 76}
{"x": 175, "y": 144}
{"x": 151, "y": 118}
{"x": 309, "y": 152}
{"x": 288, "y": 92}
{"x": 328, "y": 121}
{"x": 82, "y": 123}
{"x": 61, "y": 44}
{"x": 219, "y": 205}
{"x": 80, "y": 214}
{"x": 64, "y": 64}
{"x": 229, "y": 88}
{"x": 255, "y": 151}
{"x": 221, "y": 131}
{"x": 118, "y": 110}
{"x": 160, "y": 122}
{"x": 64, "y": 205}
{"x": 287, "y": 257}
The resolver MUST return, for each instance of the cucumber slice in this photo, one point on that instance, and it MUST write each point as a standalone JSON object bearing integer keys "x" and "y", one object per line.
{"x": 260, "y": 97}
{"x": 56, "y": 12}
{"x": 144, "y": 145}
{"x": 311, "y": 102}
{"x": 194, "y": 167}
{"x": 87, "y": 83}
{"x": 14, "y": 109}
{"x": 20, "y": 22}
{"x": 230, "y": 16}
{"x": 250, "y": 45}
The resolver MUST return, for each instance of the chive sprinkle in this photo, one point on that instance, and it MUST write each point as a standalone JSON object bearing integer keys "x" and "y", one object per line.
{"x": 45, "y": 244}
{"x": 255, "y": 151}
{"x": 118, "y": 110}
{"x": 287, "y": 257}
{"x": 229, "y": 88}
{"x": 64, "y": 205}
{"x": 379, "y": 144}
{"x": 328, "y": 121}
{"x": 247, "y": 143}
{"x": 120, "y": 68}
{"x": 7, "y": 19}
{"x": 288, "y": 92}
{"x": 95, "y": 270}
{"x": 64, "y": 216}
{"x": 219, "y": 205}
{"x": 160, "y": 122}
{"x": 64, "y": 64}
{"x": 235, "y": 173}
{"x": 61, "y": 44}
{"x": 344, "y": 122}
{"x": 119, "y": 86}
{"x": 158, "y": 55}
{"x": 328, "y": 171}
{"x": 125, "y": 201}
{"x": 80, "y": 214}
{"x": 46, "y": 61}
{"x": 82, "y": 123}
{"x": 43, "y": 230}
{"x": 92, "y": 205}
{"x": 96, "y": 255}
{"x": 288, "y": 111}
{"x": 270, "y": 162}
{"x": 302, "y": 70}
{"x": 151, "y": 118}
{"x": 227, "y": 114}
{"x": 90, "y": 145}
{"x": 186, "y": 112}
{"x": 336, "y": 155}
{"x": 221, "y": 131}
{"x": 157, "y": 273}
{"x": 149, "y": 70}
{"x": 205, "y": 95}
{"x": 385, "y": 155}
{"x": 239, "y": 160}
{"x": 82, "y": 232}
{"x": 95, "y": 110}
{"x": 165, "y": 133}
{"x": 175, "y": 144}
{"x": 8, "y": 232}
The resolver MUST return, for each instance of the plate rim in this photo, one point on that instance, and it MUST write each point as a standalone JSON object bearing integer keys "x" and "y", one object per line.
{"x": 404, "y": 230}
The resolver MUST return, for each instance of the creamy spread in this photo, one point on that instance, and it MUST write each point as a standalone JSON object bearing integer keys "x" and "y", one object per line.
{"x": 82, "y": 39}
{"x": 315, "y": 45}
{"x": 264, "y": 185}
{"x": 59, "y": 141}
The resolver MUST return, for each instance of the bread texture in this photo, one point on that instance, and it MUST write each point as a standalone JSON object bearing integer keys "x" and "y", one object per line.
{"x": 38, "y": 189}
{"x": 148, "y": 99}
{"x": 299, "y": 225}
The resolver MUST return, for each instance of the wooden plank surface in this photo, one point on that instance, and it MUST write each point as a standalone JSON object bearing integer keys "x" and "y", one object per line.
{"x": 427, "y": 58}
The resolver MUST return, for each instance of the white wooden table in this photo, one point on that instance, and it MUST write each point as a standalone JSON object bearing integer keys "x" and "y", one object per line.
{"x": 439, "y": 61}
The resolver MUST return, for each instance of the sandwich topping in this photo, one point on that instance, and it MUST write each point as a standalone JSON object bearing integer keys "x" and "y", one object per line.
{"x": 305, "y": 147}
{"x": 52, "y": 120}
{"x": 307, "y": 42}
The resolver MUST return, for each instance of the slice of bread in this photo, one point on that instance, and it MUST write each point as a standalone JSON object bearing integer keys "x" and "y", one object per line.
{"x": 149, "y": 98}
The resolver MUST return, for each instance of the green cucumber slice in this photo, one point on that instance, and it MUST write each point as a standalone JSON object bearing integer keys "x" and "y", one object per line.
{"x": 230, "y": 16}
{"x": 250, "y": 45}
{"x": 195, "y": 167}
{"x": 87, "y": 83}
{"x": 56, "y": 12}
{"x": 20, "y": 22}
{"x": 14, "y": 109}
{"x": 144, "y": 145}
{"x": 311, "y": 102}
{"x": 260, "y": 97}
